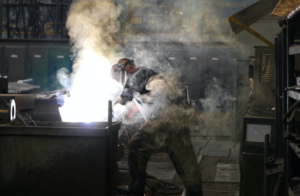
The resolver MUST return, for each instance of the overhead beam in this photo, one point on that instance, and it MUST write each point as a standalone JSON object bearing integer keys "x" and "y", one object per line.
{"x": 232, "y": 19}
{"x": 253, "y": 13}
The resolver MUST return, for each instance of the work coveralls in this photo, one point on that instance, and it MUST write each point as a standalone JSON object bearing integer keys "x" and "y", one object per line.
{"x": 169, "y": 128}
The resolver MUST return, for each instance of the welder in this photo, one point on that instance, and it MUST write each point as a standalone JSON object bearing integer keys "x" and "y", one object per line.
{"x": 166, "y": 127}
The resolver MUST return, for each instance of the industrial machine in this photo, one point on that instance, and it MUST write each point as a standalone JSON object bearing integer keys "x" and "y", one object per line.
{"x": 56, "y": 158}
{"x": 252, "y": 154}
{"x": 258, "y": 122}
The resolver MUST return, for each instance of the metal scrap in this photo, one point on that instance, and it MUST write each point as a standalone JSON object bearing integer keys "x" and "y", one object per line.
{"x": 17, "y": 113}
{"x": 31, "y": 120}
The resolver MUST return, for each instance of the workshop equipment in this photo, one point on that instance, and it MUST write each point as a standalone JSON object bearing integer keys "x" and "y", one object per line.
{"x": 252, "y": 155}
{"x": 27, "y": 81}
{"x": 8, "y": 109}
{"x": 13, "y": 63}
{"x": 263, "y": 77}
{"x": 20, "y": 87}
{"x": 23, "y": 101}
{"x": 59, "y": 159}
{"x": 273, "y": 166}
{"x": 3, "y": 84}
{"x": 46, "y": 110}
{"x": 7, "y": 112}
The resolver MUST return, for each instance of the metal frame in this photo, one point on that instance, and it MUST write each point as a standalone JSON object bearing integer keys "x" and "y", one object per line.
{"x": 291, "y": 80}
{"x": 278, "y": 98}
{"x": 236, "y": 21}
{"x": 105, "y": 132}
{"x": 34, "y": 27}
{"x": 1, "y": 14}
{"x": 285, "y": 70}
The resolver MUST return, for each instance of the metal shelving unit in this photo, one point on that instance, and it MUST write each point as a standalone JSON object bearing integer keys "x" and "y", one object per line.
{"x": 294, "y": 95}
{"x": 286, "y": 71}
{"x": 296, "y": 148}
{"x": 293, "y": 50}
{"x": 291, "y": 192}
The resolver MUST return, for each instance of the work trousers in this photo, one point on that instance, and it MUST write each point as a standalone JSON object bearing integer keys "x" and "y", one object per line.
{"x": 153, "y": 135}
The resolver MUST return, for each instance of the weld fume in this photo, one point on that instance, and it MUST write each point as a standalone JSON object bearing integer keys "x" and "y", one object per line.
{"x": 91, "y": 25}
{"x": 63, "y": 76}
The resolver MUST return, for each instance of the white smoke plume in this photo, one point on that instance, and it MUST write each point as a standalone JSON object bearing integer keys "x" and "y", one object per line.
{"x": 91, "y": 25}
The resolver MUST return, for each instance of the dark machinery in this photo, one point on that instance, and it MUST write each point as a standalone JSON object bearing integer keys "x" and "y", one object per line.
{"x": 58, "y": 158}
{"x": 3, "y": 84}
{"x": 258, "y": 122}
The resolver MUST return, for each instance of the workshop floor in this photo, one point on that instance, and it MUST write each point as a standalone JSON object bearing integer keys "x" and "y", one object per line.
{"x": 218, "y": 163}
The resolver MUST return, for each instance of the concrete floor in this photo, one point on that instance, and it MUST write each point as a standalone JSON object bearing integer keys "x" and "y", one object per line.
{"x": 218, "y": 164}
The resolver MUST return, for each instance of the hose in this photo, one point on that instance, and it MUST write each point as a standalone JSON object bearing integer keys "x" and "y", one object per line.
{"x": 291, "y": 113}
{"x": 265, "y": 111}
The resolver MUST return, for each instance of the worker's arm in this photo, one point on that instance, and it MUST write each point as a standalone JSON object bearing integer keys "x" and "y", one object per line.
{"x": 121, "y": 101}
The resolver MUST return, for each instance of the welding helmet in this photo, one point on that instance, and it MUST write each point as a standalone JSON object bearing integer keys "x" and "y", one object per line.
{"x": 117, "y": 72}
{"x": 122, "y": 66}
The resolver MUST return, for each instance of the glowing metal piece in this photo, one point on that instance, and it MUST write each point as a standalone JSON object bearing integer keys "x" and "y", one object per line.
{"x": 12, "y": 110}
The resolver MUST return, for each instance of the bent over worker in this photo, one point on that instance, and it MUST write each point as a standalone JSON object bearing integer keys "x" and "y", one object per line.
{"x": 167, "y": 125}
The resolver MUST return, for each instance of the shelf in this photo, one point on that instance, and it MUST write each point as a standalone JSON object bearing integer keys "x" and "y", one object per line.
{"x": 296, "y": 148}
{"x": 294, "y": 50}
{"x": 291, "y": 192}
{"x": 294, "y": 94}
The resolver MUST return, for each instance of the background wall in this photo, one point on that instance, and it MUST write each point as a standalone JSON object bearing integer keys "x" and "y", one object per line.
{"x": 245, "y": 43}
{"x": 195, "y": 26}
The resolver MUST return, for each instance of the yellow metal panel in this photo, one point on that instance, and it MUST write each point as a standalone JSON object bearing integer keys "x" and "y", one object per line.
{"x": 231, "y": 18}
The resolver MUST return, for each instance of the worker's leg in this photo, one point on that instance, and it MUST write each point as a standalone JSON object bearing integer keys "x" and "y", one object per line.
{"x": 182, "y": 154}
{"x": 140, "y": 149}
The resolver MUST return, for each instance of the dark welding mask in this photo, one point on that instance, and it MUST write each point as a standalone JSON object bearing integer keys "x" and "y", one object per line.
{"x": 119, "y": 66}
{"x": 122, "y": 66}
{"x": 118, "y": 71}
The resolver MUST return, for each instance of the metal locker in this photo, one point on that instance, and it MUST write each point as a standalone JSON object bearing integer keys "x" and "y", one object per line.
{"x": 37, "y": 65}
{"x": 222, "y": 65}
{"x": 3, "y": 77}
{"x": 192, "y": 72}
{"x": 177, "y": 58}
{"x": 226, "y": 66}
{"x": 220, "y": 77}
{"x": 215, "y": 63}
{"x": 199, "y": 71}
{"x": 14, "y": 62}
{"x": 231, "y": 70}
{"x": 60, "y": 57}
{"x": 1, "y": 58}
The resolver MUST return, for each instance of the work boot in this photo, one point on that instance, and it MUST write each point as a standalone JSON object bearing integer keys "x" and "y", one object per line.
{"x": 137, "y": 184}
{"x": 123, "y": 190}
{"x": 194, "y": 190}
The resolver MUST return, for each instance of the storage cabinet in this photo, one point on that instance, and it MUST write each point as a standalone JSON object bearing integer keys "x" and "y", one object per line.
{"x": 37, "y": 65}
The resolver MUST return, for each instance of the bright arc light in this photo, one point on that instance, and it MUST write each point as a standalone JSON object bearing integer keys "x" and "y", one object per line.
{"x": 91, "y": 90}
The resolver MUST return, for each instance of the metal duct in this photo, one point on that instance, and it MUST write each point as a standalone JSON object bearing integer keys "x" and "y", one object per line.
{"x": 252, "y": 14}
